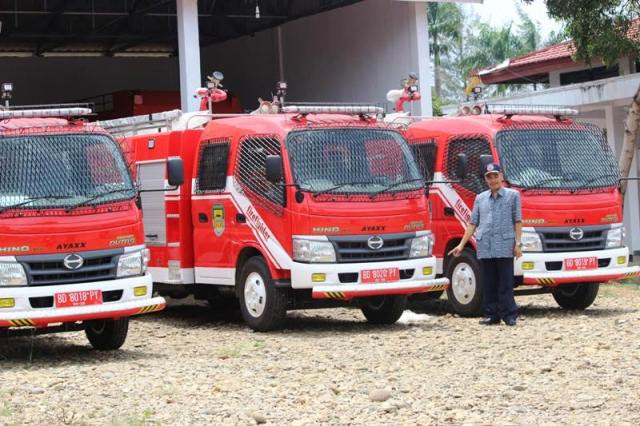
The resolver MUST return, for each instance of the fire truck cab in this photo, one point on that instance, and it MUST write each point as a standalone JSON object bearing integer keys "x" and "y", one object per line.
{"x": 309, "y": 207}
{"x": 569, "y": 184}
{"x": 72, "y": 253}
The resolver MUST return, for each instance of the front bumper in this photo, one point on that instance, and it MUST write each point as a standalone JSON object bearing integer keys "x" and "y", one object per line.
{"x": 24, "y": 315}
{"x": 343, "y": 280}
{"x": 541, "y": 275}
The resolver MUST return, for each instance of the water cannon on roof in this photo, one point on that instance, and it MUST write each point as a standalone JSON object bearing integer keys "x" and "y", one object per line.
{"x": 213, "y": 93}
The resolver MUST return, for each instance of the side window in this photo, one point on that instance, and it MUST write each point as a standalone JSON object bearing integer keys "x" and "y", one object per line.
{"x": 424, "y": 152}
{"x": 474, "y": 147}
{"x": 251, "y": 168}
{"x": 212, "y": 166}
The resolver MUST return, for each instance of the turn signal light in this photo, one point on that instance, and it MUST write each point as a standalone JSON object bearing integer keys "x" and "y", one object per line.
{"x": 427, "y": 270}
{"x": 622, "y": 260}
{"x": 140, "y": 291}
{"x": 318, "y": 277}
{"x": 527, "y": 266}
{"x": 7, "y": 302}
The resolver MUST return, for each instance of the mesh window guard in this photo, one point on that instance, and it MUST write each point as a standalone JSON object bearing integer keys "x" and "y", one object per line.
{"x": 424, "y": 152}
{"x": 212, "y": 166}
{"x": 251, "y": 172}
{"x": 61, "y": 170}
{"x": 557, "y": 156}
{"x": 474, "y": 146}
{"x": 353, "y": 164}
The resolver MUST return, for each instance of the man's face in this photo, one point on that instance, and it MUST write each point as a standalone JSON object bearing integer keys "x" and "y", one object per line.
{"x": 494, "y": 180}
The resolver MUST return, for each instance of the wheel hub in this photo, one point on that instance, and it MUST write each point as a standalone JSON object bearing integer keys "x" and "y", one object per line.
{"x": 463, "y": 283}
{"x": 255, "y": 294}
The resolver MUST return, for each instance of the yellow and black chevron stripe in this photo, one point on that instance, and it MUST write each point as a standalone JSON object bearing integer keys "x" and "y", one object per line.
{"x": 438, "y": 287}
{"x": 631, "y": 275}
{"x": 22, "y": 323}
{"x": 334, "y": 294}
{"x": 546, "y": 281}
{"x": 148, "y": 309}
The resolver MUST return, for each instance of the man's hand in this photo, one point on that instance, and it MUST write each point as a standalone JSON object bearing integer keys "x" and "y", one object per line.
{"x": 517, "y": 252}
{"x": 456, "y": 251}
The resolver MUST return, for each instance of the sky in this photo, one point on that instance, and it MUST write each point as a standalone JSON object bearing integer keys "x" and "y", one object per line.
{"x": 497, "y": 12}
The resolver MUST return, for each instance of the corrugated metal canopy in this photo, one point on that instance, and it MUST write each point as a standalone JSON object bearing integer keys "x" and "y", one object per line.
{"x": 135, "y": 27}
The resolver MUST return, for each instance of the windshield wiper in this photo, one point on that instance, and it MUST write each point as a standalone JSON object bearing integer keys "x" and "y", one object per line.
{"x": 338, "y": 186}
{"x": 95, "y": 197}
{"x": 394, "y": 185}
{"x": 32, "y": 199}
{"x": 600, "y": 177}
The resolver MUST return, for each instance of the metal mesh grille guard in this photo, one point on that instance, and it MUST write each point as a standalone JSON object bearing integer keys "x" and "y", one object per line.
{"x": 353, "y": 164}
{"x": 556, "y": 156}
{"x": 60, "y": 171}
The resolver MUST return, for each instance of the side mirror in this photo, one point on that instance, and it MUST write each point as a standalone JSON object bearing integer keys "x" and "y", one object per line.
{"x": 175, "y": 171}
{"x": 485, "y": 160}
{"x": 461, "y": 167}
{"x": 274, "y": 170}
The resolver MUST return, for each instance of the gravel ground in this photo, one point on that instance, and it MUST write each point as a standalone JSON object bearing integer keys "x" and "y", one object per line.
{"x": 189, "y": 365}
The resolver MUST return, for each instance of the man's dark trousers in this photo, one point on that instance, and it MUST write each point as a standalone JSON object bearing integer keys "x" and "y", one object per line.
{"x": 498, "y": 288}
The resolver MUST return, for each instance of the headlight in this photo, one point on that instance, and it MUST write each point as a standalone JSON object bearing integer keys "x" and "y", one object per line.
{"x": 615, "y": 237}
{"x": 132, "y": 264}
{"x": 313, "y": 251}
{"x": 12, "y": 274}
{"x": 531, "y": 241}
{"x": 421, "y": 246}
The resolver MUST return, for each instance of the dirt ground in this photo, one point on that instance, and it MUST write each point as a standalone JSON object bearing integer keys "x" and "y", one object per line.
{"x": 190, "y": 365}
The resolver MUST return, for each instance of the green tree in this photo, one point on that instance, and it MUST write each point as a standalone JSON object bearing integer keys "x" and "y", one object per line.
{"x": 600, "y": 29}
{"x": 445, "y": 31}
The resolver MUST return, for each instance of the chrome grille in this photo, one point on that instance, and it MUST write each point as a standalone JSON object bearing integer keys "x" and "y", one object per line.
{"x": 354, "y": 248}
{"x": 557, "y": 239}
{"x": 49, "y": 269}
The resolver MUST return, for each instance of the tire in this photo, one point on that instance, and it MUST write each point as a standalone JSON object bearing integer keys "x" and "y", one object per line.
{"x": 466, "y": 290}
{"x": 383, "y": 309}
{"x": 576, "y": 296}
{"x": 263, "y": 306}
{"x": 107, "y": 335}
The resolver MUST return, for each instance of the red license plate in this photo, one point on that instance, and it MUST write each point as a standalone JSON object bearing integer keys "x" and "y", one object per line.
{"x": 78, "y": 298}
{"x": 373, "y": 276}
{"x": 581, "y": 263}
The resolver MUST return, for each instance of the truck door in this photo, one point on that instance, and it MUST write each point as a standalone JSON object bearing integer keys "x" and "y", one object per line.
{"x": 151, "y": 176}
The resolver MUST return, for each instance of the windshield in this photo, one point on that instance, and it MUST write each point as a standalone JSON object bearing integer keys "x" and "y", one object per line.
{"x": 61, "y": 170}
{"x": 557, "y": 158}
{"x": 352, "y": 161}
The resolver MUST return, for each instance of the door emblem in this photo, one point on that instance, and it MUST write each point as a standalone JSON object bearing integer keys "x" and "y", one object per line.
{"x": 218, "y": 219}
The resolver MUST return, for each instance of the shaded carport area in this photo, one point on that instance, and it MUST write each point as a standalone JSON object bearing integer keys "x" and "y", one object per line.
{"x": 327, "y": 50}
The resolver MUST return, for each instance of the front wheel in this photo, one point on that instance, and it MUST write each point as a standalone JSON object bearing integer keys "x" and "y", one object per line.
{"x": 465, "y": 292}
{"x": 263, "y": 305}
{"x": 107, "y": 335}
{"x": 576, "y": 296}
{"x": 383, "y": 309}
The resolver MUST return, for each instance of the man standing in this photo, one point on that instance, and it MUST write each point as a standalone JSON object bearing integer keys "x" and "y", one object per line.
{"x": 497, "y": 217}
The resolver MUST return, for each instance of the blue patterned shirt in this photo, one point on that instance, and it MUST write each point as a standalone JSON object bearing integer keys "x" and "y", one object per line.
{"x": 495, "y": 218}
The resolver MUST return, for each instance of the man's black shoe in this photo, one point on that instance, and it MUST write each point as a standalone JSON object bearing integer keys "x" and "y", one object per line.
{"x": 510, "y": 321}
{"x": 489, "y": 321}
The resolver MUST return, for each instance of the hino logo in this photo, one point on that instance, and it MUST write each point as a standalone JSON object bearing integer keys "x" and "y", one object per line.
{"x": 576, "y": 234}
{"x": 375, "y": 243}
{"x": 73, "y": 262}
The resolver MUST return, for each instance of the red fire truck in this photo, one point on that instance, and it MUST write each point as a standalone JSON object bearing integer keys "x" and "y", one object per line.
{"x": 72, "y": 253}
{"x": 312, "y": 206}
{"x": 572, "y": 208}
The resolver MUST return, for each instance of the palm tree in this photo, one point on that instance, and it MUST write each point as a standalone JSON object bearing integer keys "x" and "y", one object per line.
{"x": 445, "y": 31}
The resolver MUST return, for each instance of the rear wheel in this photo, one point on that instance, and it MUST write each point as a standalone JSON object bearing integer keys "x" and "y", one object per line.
{"x": 576, "y": 296}
{"x": 263, "y": 305}
{"x": 107, "y": 335}
{"x": 383, "y": 309}
{"x": 465, "y": 292}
